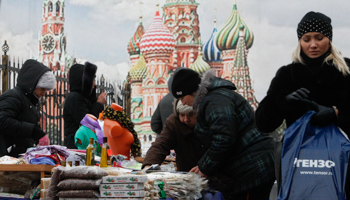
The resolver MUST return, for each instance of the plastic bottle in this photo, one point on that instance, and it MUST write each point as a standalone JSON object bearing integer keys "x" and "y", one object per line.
{"x": 63, "y": 163}
{"x": 70, "y": 163}
{"x": 90, "y": 153}
{"x": 104, "y": 156}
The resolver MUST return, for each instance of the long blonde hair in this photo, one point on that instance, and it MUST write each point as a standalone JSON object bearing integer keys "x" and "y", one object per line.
{"x": 338, "y": 59}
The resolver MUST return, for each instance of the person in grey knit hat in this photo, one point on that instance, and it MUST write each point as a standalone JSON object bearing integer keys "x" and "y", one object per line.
{"x": 47, "y": 81}
{"x": 19, "y": 117}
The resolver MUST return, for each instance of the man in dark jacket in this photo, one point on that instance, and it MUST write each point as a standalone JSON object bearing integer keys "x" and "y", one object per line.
{"x": 239, "y": 160}
{"x": 81, "y": 100}
{"x": 19, "y": 117}
{"x": 177, "y": 134}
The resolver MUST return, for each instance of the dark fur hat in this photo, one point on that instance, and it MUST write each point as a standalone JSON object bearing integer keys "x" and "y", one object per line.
{"x": 89, "y": 74}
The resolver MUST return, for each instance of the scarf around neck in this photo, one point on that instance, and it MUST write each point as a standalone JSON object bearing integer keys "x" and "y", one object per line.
{"x": 94, "y": 126}
{"x": 125, "y": 122}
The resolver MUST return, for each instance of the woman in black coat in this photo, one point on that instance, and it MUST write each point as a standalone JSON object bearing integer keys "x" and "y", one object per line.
{"x": 318, "y": 79}
{"x": 19, "y": 117}
{"x": 81, "y": 100}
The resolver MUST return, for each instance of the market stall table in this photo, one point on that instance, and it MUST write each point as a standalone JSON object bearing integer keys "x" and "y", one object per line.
{"x": 45, "y": 170}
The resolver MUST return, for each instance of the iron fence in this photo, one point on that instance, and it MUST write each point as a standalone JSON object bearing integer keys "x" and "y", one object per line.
{"x": 51, "y": 105}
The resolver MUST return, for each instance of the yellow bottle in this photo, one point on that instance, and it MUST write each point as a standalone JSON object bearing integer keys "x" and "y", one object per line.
{"x": 104, "y": 156}
{"x": 90, "y": 153}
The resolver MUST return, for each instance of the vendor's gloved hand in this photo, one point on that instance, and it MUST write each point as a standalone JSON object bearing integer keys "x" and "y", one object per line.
{"x": 44, "y": 141}
{"x": 301, "y": 94}
{"x": 324, "y": 116}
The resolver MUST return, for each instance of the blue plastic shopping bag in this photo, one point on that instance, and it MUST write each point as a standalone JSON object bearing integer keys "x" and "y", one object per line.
{"x": 314, "y": 162}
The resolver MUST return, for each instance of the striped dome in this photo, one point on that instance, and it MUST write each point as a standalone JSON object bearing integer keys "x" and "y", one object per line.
{"x": 181, "y": 2}
{"x": 210, "y": 50}
{"x": 134, "y": 44}
{"x": 157, "y": 38}
{"x": 138, "y": 71}
{"x": 227, "y": 37}
{"x": 199, "y": 65}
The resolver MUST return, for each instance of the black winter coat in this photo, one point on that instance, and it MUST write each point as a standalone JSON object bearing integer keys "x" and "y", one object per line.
{"x": 327, "y": 86}
{"x": 19, "y": 113}
{"x": 79, "y": 102}
{"x": 237, "y": 153}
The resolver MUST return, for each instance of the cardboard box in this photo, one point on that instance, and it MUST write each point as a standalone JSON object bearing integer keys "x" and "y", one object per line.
{"x": 122, "y": 186}
{"x": 125, "y": 179}
{"x": 122, "y": 193}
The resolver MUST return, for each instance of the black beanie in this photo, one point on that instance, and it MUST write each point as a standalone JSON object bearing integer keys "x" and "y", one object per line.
{"x": 315, "y": 22}
{"x": 185, "y": 81}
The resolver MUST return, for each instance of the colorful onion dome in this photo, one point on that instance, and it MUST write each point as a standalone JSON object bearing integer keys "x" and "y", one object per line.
{"x": 157, "y": 38}
{"x": 134, "y": 44}
{"x": 199, "y": 65}
{"x": 211, "y": 52}
{"x": 177, "y": 2}
{"x": 139, "y": 70}
{"x": 227, "y": 37}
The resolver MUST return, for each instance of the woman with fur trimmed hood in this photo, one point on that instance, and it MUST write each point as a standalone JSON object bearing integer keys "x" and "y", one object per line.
{"x": 81, "y": 100}
{"x": 239, "y": 159}
{"x": 177, "y": 134}
{"x": 19, "y": 117}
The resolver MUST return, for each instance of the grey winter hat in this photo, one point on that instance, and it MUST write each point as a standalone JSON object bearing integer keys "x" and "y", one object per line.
{"x": 47, "y": 81}
{"x": 315, "y": 22}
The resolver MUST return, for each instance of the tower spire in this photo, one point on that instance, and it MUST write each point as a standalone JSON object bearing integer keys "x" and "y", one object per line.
{"x": 141, "y": 3}
{"x": 215, "y": 13}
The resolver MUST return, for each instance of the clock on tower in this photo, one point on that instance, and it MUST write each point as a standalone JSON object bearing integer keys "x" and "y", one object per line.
{"x": 48, "y": 43}
{"x": 52, "y": 35}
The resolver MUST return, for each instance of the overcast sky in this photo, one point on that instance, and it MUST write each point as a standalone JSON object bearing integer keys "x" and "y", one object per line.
{"x": 99, "y": 30}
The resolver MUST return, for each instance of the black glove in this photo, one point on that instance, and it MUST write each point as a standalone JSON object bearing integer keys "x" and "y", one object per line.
{"x": 301, "y": 94}
{"x": 324, "y": 116}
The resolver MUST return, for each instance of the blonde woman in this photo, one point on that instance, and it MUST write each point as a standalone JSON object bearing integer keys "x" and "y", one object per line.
{"x": 318, "y": 74}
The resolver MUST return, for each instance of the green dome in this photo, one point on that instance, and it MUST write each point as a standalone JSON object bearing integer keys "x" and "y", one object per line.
{"x": 200, "y": 65}
{"x": 228, "y": 35}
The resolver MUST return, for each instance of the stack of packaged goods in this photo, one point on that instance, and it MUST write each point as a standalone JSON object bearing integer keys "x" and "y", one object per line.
{"x": 75, "y": 182}
{"x": 124, "y": 187}
{"x": 177, "y": 185}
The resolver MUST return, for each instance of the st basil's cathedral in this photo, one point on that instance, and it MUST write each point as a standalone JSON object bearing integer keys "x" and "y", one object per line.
{"x": 173, "y": 40}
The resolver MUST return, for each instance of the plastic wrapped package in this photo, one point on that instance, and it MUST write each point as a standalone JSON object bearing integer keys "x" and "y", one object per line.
{"x": 79, "y": 184}
{"x": 180, "y": 185}
{"x": 83, "y": 172}
{"x": 78, "y": 194}
{"x": 55, "y": 179}
{"x": 79, "y": 172}
{"x": 45, "y": 182}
